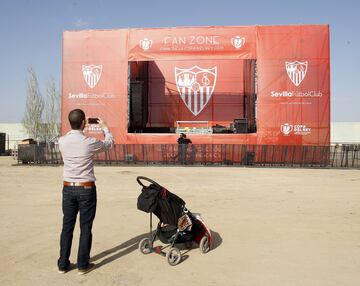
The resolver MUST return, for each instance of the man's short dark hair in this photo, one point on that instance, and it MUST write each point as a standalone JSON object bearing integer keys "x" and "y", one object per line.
{"x": 76, "y": 118}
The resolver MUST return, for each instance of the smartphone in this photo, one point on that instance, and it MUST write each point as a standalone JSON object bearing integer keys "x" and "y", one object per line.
{"x": 92, "y": 120}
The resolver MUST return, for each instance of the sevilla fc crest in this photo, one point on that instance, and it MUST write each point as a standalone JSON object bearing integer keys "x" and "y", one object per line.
{"x": 92, "y": 74}
{"x": 196, "y": 86}
{"x": 238, "y": 42}
{"x": 145, "y": 44}
{"x": 296, "y": 71}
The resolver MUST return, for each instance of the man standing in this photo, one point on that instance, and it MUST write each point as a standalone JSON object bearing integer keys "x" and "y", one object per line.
{"x": 182, "y": 148}
{"x": 79, "y": 190}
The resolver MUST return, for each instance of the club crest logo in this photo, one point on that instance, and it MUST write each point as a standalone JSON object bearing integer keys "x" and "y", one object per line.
{"x": 296, "y": 129}
{"x": 286, "y": 128}
{"x": 91, "y": 74}
{"x": 196, "y": 86}
{"x": 238, "y": 42}
{"x": 145, "y": 44}
{"x": 296, "y": 71}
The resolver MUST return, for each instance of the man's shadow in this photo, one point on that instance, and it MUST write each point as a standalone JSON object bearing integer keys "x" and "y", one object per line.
{"x": 119, "y": 251}
{"x": 129, "y": 246}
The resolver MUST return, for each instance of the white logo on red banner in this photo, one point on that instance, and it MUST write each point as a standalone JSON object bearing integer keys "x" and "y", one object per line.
{"x": 296, "y": 129}
{"x": 286, "y": 128}
{"x": 91, "y": 74}
{"x": 238, "y": 42}
{"x": 196, "y": 86}
{"x": 296, "y": 71}
{"x": 145, "y": 44}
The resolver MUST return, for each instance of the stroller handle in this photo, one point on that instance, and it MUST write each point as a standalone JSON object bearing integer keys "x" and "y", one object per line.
{"x": 140, "y": 178}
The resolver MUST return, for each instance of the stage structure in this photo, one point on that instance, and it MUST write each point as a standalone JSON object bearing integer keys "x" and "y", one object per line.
{"x": 247, "y": 85}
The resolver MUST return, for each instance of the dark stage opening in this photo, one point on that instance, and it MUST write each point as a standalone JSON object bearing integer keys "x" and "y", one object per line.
{"x": 192, "y": 96}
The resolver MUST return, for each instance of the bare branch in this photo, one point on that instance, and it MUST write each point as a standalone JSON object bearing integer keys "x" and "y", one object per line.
{"x": 52, "y": 111}
{"x": 32, "y": 120}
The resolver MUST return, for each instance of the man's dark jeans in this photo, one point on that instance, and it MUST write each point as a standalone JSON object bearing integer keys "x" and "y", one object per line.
{"x": 82, "y": 200}
{"x": 182, "y": 153}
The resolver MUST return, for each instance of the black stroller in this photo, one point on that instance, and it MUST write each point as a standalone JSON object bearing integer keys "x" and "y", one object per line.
{"x": 177, "y": 224}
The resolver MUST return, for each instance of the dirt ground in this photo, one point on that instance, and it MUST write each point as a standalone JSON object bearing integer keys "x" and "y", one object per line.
{"x": 271, "y": 226}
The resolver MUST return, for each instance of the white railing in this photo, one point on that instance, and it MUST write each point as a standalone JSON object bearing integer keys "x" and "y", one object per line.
{"x": 193, "y": 127}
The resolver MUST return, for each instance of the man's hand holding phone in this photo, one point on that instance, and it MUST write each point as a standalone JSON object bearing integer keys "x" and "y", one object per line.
{"x": 102, "y": 123}
{"x": 93, "y": 120}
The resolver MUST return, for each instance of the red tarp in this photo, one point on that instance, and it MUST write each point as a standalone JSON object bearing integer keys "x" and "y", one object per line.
{"x": 293, "y": 80}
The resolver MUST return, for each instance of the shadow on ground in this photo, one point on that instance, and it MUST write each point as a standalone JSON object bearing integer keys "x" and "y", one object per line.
{"x": 112, "y": 254}
{"x": 118, "y": 251}
{"x": 216, "y": 240}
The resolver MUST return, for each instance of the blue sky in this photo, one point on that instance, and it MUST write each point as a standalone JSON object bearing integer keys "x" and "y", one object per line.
{"x": 31, "y": 34}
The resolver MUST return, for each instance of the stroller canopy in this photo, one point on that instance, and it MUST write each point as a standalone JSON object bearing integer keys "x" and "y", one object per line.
{"x": 154, "y": 198}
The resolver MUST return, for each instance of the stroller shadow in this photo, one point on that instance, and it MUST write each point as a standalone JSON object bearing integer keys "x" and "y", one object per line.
{"x": 216, "y": 239}
{"x": 112, "y": 254}
{"x": 118, "y": 251}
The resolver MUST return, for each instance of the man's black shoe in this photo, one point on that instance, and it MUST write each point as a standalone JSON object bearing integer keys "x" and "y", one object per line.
{"x": 62, "y": 271}
{"x": 83, "y": 271}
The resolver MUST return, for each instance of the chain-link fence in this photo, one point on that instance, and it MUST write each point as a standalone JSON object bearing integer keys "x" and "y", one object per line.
{"x": 339, "y": 155}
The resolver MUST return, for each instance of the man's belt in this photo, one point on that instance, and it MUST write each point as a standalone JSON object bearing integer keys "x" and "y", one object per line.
{"x": 79, "y": 184}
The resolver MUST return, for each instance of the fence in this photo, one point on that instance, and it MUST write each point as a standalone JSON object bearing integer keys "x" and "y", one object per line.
{"x": 343, "y": 156}
{"x": 42, "y": 153}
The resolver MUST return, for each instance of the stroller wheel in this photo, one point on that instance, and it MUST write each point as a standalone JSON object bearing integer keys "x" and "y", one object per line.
{"x": 204, "y": 244}
{"x": 173, "y": 256}
{"x": 145, "y": 246}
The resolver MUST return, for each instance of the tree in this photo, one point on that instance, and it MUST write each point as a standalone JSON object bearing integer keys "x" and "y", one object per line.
{"x": 32, "y": 120}
{"x": 52, "y": 111}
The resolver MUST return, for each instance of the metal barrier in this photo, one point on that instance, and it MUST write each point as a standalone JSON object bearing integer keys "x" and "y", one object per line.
{"x": 340, "y": 156}
{"x": 345, "y": 155}
{"x": 219, "y": 154}
{"x": 43, "y": 153}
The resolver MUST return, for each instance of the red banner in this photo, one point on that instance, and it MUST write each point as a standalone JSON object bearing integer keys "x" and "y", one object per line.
{"x": 293, "y": 85}
{"x": 192, "y": 43}
{"x": 204, "y": 74}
